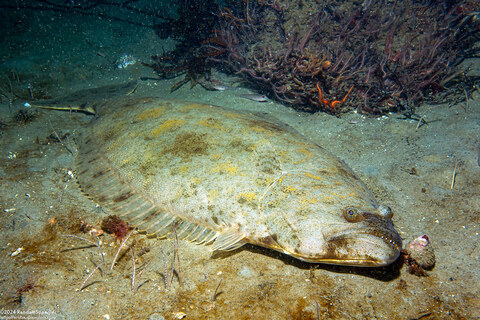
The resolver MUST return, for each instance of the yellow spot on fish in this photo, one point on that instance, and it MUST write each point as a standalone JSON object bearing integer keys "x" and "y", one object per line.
{"x": 166, "y": 126}
{"x": 227, "y": 167}
{"x": 288, "y": 189}
{"x": 305, "y": 152}
{"x": 154, "y": 113}
{"x": 183, "y": 169}
{"x": 128, "y": 161}
{"x": 196, "y": 180}
{"x": 308, "y": 174}
{"x": 212, "y": 123}
{"x": 328, "y": 199}
{"x": 247, "y": 196}
{"x": 309, "y": 200}
{"x": 232, "y": 170}
{"x": 233, "y": 115}
{"x": 212, "y": 195}
{"x": 189, "y": 107}
{"x": 258, "y": 129}
{"x": 307, "y": 157}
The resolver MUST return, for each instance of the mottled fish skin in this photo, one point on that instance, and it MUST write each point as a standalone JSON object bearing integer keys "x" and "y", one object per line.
{"x": 214, "y": 175}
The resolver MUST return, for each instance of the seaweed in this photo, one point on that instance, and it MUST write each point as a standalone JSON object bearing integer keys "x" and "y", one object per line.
{"x": 27, "y": 286}
{"x": 394, "y": 56}
{"x": 113, "y": 224}
{"x": 24, "y": 116}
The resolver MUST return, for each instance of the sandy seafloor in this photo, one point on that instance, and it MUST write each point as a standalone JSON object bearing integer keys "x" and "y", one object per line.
{"x": 40, "y": 201}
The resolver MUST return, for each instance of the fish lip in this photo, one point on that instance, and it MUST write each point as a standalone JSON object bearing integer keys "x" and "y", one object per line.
{"x": 356, "y": 262}
{"x": 360, "y": 262}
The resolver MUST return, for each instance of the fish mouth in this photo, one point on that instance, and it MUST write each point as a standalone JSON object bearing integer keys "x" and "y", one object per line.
{"x": 367, "y": 248}
{"x": 358, "y": 249}
{"x": 355, "y": 262}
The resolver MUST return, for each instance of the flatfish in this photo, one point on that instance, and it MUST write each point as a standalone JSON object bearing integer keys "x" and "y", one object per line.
{"x": 212, "y": 175}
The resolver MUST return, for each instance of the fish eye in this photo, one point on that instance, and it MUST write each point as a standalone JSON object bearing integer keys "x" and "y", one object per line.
{"x": 352, "y": 215}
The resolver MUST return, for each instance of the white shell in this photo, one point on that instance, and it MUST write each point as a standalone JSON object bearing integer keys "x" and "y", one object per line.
{"x": 422, "y": 251}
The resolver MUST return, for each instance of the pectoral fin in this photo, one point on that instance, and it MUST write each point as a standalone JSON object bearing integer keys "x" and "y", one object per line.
{"x": 229, "y": 240}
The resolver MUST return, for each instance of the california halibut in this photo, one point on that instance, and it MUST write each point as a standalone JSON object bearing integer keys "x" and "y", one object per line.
{"x": 216, "y": 176}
